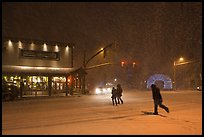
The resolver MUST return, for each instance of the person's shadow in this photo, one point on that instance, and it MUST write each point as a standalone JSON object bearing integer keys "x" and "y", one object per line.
{"x": 151, "y": 113}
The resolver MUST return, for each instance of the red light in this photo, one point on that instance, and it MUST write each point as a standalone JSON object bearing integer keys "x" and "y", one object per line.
{"x": 122, "y": 63}
{"x": 133, "y": 64}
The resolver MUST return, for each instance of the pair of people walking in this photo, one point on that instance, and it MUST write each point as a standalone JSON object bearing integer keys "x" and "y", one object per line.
{"x": 117, "y": 95}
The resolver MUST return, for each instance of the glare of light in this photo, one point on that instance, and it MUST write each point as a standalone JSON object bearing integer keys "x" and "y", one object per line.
{"x": 102, "y": 48}
{"x": 181, "y": 59}
{"x": 25, "y": 67}
{"x": 20, "y": 44}
{"x": 115, "y": 79}
{"x": 56, "y": 48}
{"x": 32, "y": 46}
{"x": 104, "y": 90}
{"x": 39, "y": 68}
{"x": 98, "y": 91}
{"x": 10, "y": 43}
{"x": 54, "y": 68}
{"x": 68, "y": 80}
{"x": 199, "y": 87}
{"x": 133, "y": 64}
{"x": 122, "y": 63}
{"x": 108, "y": 90}
{"x": 44, "y": 47}
{"x": 66, "y": 48}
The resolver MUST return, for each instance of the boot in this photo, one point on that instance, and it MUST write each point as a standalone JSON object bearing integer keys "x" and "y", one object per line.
{"x": 155, "y": 113}
{"x": 167, "y": 109}
{"x": 121, "y": 101}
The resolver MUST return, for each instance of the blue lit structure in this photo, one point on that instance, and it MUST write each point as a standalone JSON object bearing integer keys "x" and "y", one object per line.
{"x": 160, "y": 77}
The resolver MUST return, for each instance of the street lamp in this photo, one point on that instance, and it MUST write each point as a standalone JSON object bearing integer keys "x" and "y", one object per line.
{"x": 181, "y": 59}
{"x": 180, "y": 62}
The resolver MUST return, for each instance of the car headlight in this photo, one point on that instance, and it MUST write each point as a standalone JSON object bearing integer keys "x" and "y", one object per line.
{"x": 98, "y": 91}
{"x": 104, "y": 90}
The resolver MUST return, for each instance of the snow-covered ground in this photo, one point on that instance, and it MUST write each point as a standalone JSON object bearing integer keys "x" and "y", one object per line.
{"x": 95, "y": 114}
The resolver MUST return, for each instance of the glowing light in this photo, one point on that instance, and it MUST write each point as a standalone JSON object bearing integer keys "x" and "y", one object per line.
{"x": 103, "y": 90}
{"x": 133, "y": 64}
{"x": 54, "y": 68}
{"x": 32, "y": 46}
{"x": 44, "y": 47}
{"x": 181, "y": 59}
{"x": 40, "y": 68}
{"x": 56, "y": 48}
{"x": 98, "y": 91}
{"x": 25, "y": 67}
{"x": 10, "y": 43}
{"x": 66, "y": 48}
{"x": 122, "y": 63}
{"x": 20, "y": 44}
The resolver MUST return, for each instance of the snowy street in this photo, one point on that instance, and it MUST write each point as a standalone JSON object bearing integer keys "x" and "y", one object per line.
{"x": 95, "y": 114}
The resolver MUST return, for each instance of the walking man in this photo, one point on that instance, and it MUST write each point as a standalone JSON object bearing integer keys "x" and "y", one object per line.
{"x": 114, "y": 94}
{"x": 119, "y": 94}
{"x": 157, "y": 99}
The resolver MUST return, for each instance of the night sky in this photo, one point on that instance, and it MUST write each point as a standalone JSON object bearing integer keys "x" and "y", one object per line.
{"x": 153, "y": 34}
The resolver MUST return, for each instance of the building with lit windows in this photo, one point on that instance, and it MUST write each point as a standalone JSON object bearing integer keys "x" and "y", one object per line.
{"x": 40, "y": 68}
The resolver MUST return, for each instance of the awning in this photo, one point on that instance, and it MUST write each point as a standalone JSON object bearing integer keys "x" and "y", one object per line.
{"x": 28, "y": 70}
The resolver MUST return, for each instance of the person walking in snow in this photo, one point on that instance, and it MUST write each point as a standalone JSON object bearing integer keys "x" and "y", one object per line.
{"x": 114, "y": 95}
{"x": 157, "y": 99}
{"x": 119, "y": 94}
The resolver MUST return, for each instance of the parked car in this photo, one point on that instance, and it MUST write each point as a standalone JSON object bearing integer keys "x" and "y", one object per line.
{"x": 9, "y": 91}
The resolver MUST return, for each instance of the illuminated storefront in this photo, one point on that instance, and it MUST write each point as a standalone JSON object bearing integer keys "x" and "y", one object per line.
{"x": 42, "y": 69}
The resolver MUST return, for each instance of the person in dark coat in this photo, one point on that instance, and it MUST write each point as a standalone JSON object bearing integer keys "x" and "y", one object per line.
{"x": 157, "y": 99}
{"x": 114, "y": 95}
{"x": 119, "y": 94}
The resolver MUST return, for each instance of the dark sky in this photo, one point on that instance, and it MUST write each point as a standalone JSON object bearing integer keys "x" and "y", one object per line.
{"x": 154, "y": 34}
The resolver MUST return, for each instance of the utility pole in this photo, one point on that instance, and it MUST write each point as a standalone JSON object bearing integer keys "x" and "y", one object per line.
{"x": 174, "y": 76}
{"x": 86, "y": 62}
{"x": 84, "y": 76}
